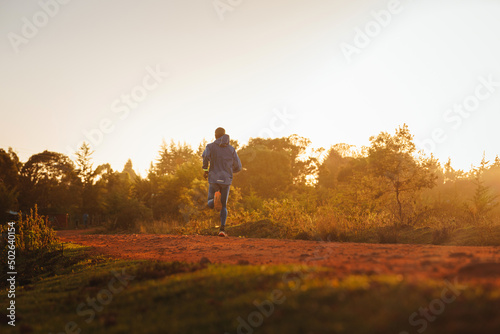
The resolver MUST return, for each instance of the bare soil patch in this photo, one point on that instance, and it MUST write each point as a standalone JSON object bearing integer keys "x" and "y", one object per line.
{"x": 413, "y": 262}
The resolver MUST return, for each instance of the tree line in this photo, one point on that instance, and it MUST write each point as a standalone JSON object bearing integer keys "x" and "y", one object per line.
{"x": 388, "y": 183}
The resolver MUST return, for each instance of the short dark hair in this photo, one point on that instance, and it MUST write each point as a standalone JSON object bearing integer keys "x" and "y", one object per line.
{"x": 219, "y": 132}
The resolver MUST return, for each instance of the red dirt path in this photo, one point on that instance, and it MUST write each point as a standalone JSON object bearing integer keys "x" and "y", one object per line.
{"x": 413, "y": 262}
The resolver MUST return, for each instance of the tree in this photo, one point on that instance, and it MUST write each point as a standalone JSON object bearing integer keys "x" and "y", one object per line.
{"x": 496, "y": 164}
{"x": 335, "y": 166}
{"x": 482, "y": 203}
{"x": 273, "y": 167}
{"x": 129, "y": 170}
{"x": 9, "y": 182}
{"x": 295, "y": 148}
{"x": 142, "y": 190}
{"x": 49, "y": 179}
{"x": 484, "y": 200}
{"x": 171, "y": 156}
{"x": 84, "y": 164}
{"x": 84, "y": 169}
{"x": 168, "y": 191}
{"x": 401, "y": 174}
{"x": 120, "y": 206}
{"x": 201, "y": 148}
{"x": 267, "y": 172}
{"x": 9, "y": 168}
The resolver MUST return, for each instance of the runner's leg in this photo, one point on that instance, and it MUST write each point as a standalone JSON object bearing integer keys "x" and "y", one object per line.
{"x": 224, "y": 190}
{"x": 212, "y": 188}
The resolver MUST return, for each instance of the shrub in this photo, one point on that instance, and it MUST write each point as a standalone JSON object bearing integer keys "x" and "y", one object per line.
{"x": 124, "y": 212}
{"x": 388, "y": 235}
{"x": 32, "y": 232}
{"x": 290, "y": 216}
{"x": 441, "y": 235}
{"x": 331, "y": 226}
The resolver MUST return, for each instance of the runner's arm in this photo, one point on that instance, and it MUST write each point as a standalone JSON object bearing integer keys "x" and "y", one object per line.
{"x": 206, "y": 158}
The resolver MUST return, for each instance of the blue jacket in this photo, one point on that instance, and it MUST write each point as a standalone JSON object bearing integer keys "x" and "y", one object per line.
{"x": 224, "y": 161}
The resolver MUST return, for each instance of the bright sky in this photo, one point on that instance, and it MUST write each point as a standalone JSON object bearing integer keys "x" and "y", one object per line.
{"x": 331, "y": 71}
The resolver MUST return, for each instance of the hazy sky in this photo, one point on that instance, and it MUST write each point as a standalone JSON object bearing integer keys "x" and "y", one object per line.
{"x": 123, "y": 74}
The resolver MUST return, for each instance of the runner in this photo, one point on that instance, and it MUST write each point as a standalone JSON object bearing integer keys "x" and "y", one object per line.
{"x": 85, "y": 219}
{"x": 224, "y": 161}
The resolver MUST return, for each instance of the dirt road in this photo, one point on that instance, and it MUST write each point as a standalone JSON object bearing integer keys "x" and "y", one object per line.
{"x": 413, "y": 262}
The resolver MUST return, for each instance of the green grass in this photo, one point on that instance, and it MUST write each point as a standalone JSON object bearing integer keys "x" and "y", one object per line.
{"x": 208, "y": 298}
